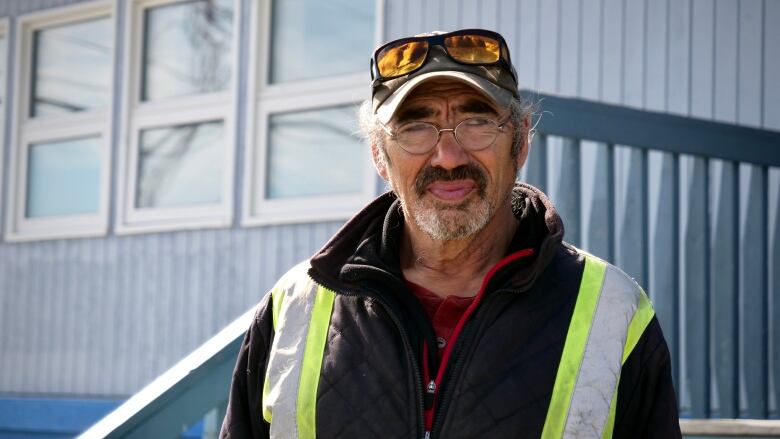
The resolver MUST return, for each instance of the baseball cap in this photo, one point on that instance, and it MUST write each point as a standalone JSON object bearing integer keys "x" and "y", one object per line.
{"x": 496, "y": 80}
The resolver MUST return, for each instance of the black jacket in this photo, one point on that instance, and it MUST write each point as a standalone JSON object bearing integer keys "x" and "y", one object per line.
{"x": 500, "y": 378}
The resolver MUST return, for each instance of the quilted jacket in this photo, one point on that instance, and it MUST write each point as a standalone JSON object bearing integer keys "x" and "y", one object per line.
{"x": 499, "y": 380}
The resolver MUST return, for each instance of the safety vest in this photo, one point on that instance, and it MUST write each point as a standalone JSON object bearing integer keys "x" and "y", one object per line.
{"x": 610, "y": 315}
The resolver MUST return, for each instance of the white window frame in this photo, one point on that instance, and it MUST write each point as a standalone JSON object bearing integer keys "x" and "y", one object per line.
{"x": 4, "y": 33}
{"x": 27, "y": 131}
{"x": 138, "y": 116}
{"x": 266, "y": 99}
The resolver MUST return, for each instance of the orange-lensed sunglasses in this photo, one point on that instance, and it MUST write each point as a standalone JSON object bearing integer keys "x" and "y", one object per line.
{"x": 467, "y": 46}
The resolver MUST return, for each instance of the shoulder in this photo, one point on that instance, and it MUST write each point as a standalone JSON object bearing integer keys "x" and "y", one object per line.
{"x": 610, "y": 277}
{"x": 295, "y": 281}
{"x": 619, "y": 298}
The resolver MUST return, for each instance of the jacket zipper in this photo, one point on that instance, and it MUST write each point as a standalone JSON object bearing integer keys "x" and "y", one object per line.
{"x": 457, "y": 363}
{"x": 407, "y": 348}
{"x": 441, "y": 373}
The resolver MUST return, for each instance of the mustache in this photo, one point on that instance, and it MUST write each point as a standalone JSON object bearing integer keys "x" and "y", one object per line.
{"x": 430, "y": 174}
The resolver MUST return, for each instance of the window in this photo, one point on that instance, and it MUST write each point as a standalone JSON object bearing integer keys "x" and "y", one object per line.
{"x": 61, "y": 130}
{"x": 177, "y": 170}
{"x": 3, "y": 82}
{"x": 304, "y": 159}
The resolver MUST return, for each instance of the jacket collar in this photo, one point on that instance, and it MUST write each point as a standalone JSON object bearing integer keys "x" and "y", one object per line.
{"x": 365, "y": 249}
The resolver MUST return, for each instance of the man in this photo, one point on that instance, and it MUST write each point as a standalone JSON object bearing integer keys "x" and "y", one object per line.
{"x": 450, "y": 307}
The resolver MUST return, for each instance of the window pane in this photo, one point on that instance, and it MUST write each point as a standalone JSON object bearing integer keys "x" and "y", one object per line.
{"x": 72, "y": 67}
{"x": 315, "y": 153}
{"x": 187, "y": 48}
{"x": 63, "y": 178}
{"x": 314, "y": 38}
{"x": 3, "y": 58}
{"x": 181, "y": 165}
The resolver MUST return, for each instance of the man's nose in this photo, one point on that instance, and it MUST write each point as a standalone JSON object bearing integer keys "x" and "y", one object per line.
{"x": 448, "y": 153}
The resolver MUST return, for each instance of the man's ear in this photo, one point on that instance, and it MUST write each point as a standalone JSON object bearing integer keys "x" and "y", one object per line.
{"x": 525, "y": 143}
{"x": 379, "y": 162}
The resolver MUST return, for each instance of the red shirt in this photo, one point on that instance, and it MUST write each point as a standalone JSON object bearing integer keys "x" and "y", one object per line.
{"x": 443, "y": 312}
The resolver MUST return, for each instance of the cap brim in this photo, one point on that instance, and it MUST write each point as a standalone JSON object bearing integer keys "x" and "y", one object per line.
{"x": 500, "y": 96}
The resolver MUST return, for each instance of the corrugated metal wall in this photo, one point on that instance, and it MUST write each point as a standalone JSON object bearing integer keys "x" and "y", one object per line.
{"x": 104, "y": 316}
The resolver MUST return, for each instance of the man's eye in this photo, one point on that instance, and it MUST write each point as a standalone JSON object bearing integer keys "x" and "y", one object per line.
{"x": 477, "y": 121}
{"x": 414, "y": 128}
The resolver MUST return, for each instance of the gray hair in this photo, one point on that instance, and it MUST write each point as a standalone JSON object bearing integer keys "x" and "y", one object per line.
{"x": 373, "y": 132}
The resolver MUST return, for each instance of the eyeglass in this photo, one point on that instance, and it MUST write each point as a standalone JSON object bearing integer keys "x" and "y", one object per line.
{"x": 467, "y": 46}
{"x": 473, "y": 134}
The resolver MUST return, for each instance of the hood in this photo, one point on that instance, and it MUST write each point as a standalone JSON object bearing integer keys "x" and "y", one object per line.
{"x": 366, "y": 247}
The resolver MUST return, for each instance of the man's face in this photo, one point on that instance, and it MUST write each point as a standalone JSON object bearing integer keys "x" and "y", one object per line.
{"x": 451, "y": 192}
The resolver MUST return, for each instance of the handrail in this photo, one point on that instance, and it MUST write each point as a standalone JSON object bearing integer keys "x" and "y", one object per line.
{"x": 182, "y": 394}
{"x": 614, "y": 124}
{"x": 730, "y": 427}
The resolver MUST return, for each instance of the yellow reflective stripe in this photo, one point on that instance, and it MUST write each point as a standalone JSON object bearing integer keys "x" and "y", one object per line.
{"x": 610, "y": 425}
{"x": 277, "y": 298}
{"x": 642, "y": 317}
{"x": 312, "y": 363}
{"x": 574, "y": 347}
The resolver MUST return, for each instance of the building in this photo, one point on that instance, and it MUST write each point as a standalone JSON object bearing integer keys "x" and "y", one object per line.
{"x": 164, "y": 161}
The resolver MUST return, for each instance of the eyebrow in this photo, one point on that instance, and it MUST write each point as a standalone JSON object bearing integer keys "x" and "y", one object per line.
{"x": 473, "y": 106}
{"x": 476, "y": 106}
{"x": 415, "y": 113}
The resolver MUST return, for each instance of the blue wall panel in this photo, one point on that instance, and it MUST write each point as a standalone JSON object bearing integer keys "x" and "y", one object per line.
{"x": 773, "y": 290}
{"x": 723, "y": 287}
{"x": 694, "y": 380}
{"x": 752, "y": 292}
{"x": 662, "y": 257}
{"x": 597, "y": 181}
{"x": 563, "y": 171}
{"x": 105, "y": 316}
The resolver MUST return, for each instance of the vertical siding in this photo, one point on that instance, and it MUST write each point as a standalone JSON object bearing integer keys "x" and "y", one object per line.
{"x": 105, "y": 316}
{"x": 770, "y": 115}
{"x": 663, "y": 236}
{"x": 773, "y": 290}
{"x": 752, "y": 292}
{"x": 563, "y": 171}
{"x": 660, "y": 55}
{"x": 597, "y": 180}
{"x": 529, "y": 34}
{"x": 679, "y": 58}
{"x": 535, "y": 169}
{"x": 723, "y": 287}
{"x": 693, "y": 343}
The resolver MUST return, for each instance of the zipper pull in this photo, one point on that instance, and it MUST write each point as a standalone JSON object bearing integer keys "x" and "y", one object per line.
{"x": 430, "y": 392}
{"x": 427, "y": 435}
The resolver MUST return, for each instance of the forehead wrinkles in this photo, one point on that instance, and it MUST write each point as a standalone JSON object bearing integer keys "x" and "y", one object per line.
{"x": 443, "y": 90}
{"x": 452, "y": 97}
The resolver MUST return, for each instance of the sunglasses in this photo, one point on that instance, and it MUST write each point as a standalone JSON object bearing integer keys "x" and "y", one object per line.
{"x": 468, "y": 46}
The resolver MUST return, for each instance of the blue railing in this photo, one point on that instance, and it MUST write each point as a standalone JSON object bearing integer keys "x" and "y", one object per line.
{"x": 687, "y": 297}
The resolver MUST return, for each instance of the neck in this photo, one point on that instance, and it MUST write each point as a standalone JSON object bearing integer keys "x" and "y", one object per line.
{"x": 455, "y": 267}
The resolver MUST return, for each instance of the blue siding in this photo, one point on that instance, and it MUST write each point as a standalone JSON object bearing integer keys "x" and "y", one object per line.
{"x": 773, "y": 290}
{"x": 105, "y": 316}
{"x": 723, "y": 265}
{"x": 752, "y": 292}
{"x": 694, "y": 342}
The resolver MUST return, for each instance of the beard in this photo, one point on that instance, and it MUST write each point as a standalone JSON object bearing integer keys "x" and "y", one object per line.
{"x": 446, "y": 221}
